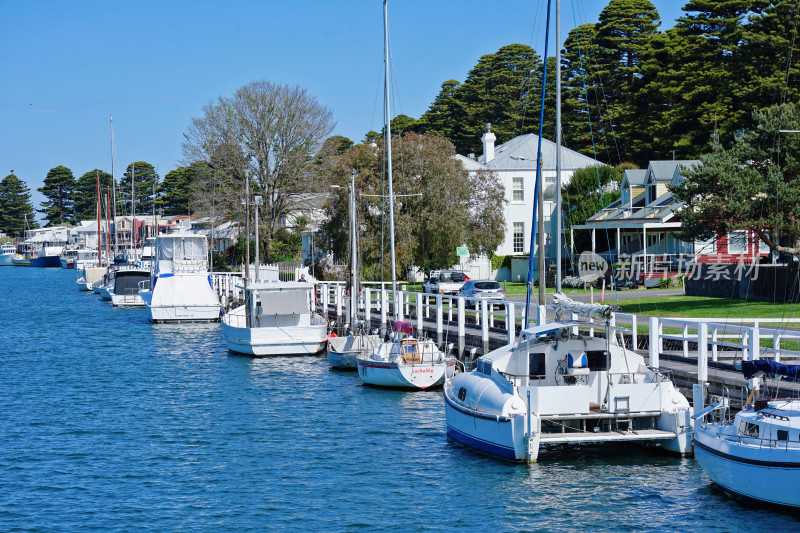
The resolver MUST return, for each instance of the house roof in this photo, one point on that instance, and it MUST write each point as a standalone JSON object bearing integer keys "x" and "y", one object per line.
{"x": 665, "y": 170}
{"x": 635, "y": 177}
{"x": 520, "y": 154}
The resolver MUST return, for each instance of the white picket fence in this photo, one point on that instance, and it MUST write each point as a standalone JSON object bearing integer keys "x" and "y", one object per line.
{"x": 723, "y": 340}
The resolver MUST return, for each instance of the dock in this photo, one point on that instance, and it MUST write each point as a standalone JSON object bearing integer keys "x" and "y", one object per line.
{"x": 692, "y": 351}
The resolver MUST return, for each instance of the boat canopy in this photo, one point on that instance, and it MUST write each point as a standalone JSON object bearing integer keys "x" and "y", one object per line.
{"x": 181, "y": 247}
{"x": 751, "y": 368}
{"x": 286, "y": 302}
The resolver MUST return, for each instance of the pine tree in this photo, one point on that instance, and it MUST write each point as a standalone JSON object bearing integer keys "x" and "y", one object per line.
{"x": 174, "y": 193}
{"x": 85, "y": 194}
{"x": 15, "y": 207}
{"x": 58, "y": 188}
{"x": 145, "y": 180}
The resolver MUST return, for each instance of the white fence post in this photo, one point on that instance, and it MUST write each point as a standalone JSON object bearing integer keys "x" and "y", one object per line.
{"x": 484, "y": 327}
{"x": 384, "y": 305}
{"x": 420, "y": 321}
{"x": 714, "y": 337}
{"x": 541, "y": 315}
{"x": 702, "y": 352}
{"x": 685, "y": 340}
{"x": 439, "y": 317}
{"x": 634, "y": 334}
{"x": 398, "y": 299}
{"x": 654, "y": 342}
{"x": 368, "y": 308}
{"x": 510, "y": 322}
{"x": 755, "y": 346}
{"x": 461, "y": 318}
{"x": 776, "y": 345}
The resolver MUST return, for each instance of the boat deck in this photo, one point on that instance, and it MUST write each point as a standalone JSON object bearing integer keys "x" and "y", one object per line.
{"x": 606, "y": 436}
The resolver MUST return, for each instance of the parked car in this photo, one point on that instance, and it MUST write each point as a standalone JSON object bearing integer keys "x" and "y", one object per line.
{"x": 444, "y": 282}
{"x": 482, "y": 290}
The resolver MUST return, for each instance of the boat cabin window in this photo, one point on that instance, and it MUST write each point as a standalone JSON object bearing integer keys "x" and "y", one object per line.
{"x": 484, "y": 367}
{"x": 536, "y": 365}
{"x": 783, "y": 434}
{"x": 748, "y": 430}
{"x": 597, "y": 359}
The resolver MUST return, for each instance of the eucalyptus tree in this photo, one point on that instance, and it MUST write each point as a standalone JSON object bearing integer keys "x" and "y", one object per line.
{"x": 269, "y": 133}
{"x": 84, "y": 196}
{"x": 58, "y": 188}
{"x": 438, "y": 206}
{"x": 15, "y": 206}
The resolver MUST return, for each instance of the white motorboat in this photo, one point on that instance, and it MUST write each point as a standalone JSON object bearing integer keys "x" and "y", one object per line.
{"x": 405, "y": 362}
{"x": 88, "y": 276}
{"x": 180, "y": 289}
{"x": 7, "y": 252}
{"x": 557, "y": 386}
{"x": 276, "y": 319}
{"x": 757, "y": 454}
{"x": 121, "y": 285}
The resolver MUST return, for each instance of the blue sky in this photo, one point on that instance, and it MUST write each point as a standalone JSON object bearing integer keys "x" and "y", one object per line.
{"x": 68, "y": 66}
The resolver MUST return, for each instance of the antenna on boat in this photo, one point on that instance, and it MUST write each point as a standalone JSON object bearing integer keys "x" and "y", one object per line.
{"x": 113, "y": 187}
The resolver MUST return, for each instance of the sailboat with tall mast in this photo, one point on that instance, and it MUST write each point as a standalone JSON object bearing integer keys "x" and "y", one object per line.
{"x": 343, "y": 350}
{"x": 557, "y": 386}
{"x": 404, "y": 361}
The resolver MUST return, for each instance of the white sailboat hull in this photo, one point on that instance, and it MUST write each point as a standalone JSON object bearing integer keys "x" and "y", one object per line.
{"x": 768, "y": 472}
{"x": 343, "y": 351}
{"x": 400, "y": 375}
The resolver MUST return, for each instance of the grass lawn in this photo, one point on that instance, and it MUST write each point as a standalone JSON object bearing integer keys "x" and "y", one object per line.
{"x": 705, "y": 307}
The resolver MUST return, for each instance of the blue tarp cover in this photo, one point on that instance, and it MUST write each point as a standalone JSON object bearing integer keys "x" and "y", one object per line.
{"x": 750, "y": 368}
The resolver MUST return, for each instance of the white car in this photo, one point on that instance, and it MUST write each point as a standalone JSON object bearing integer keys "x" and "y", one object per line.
{"x": 482, "y": 290}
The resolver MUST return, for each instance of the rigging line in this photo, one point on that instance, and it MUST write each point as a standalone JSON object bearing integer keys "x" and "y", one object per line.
{"x": 536, "y": 198}
{"x": 597, "y": 171}
{"x": 784, "y": 98}
{"x": 609, "y": 130}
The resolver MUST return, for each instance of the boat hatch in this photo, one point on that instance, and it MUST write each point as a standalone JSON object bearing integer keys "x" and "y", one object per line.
{"x": 410, "y": 350}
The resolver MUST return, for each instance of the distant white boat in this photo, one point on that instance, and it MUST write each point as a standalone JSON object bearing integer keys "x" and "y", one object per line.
{"x": 7, "y": 252}
{"x": 757, "y": 454}
{"x": 180, "y": 289}
{"x": 405, "y": 362}
{"x": 276, "y": 319}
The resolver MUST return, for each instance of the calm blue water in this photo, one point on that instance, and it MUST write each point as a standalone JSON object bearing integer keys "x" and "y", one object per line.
{"x": 111, "y": 423}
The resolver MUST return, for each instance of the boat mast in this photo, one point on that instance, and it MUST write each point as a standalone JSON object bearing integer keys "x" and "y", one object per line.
{"x": 108, "y": 223}
{"x": 99, "y": 243}
{"x": 536, "y": 196}
{"x": 133, "y": 208}
{"x": 113, "y": 188}
{"x": 353, "y": 257}
{"x": 389, "y": 154}
{"x": 557, "y": 230}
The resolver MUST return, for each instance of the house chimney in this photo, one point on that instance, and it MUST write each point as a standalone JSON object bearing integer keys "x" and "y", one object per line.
{"x": 488, "y": 144}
